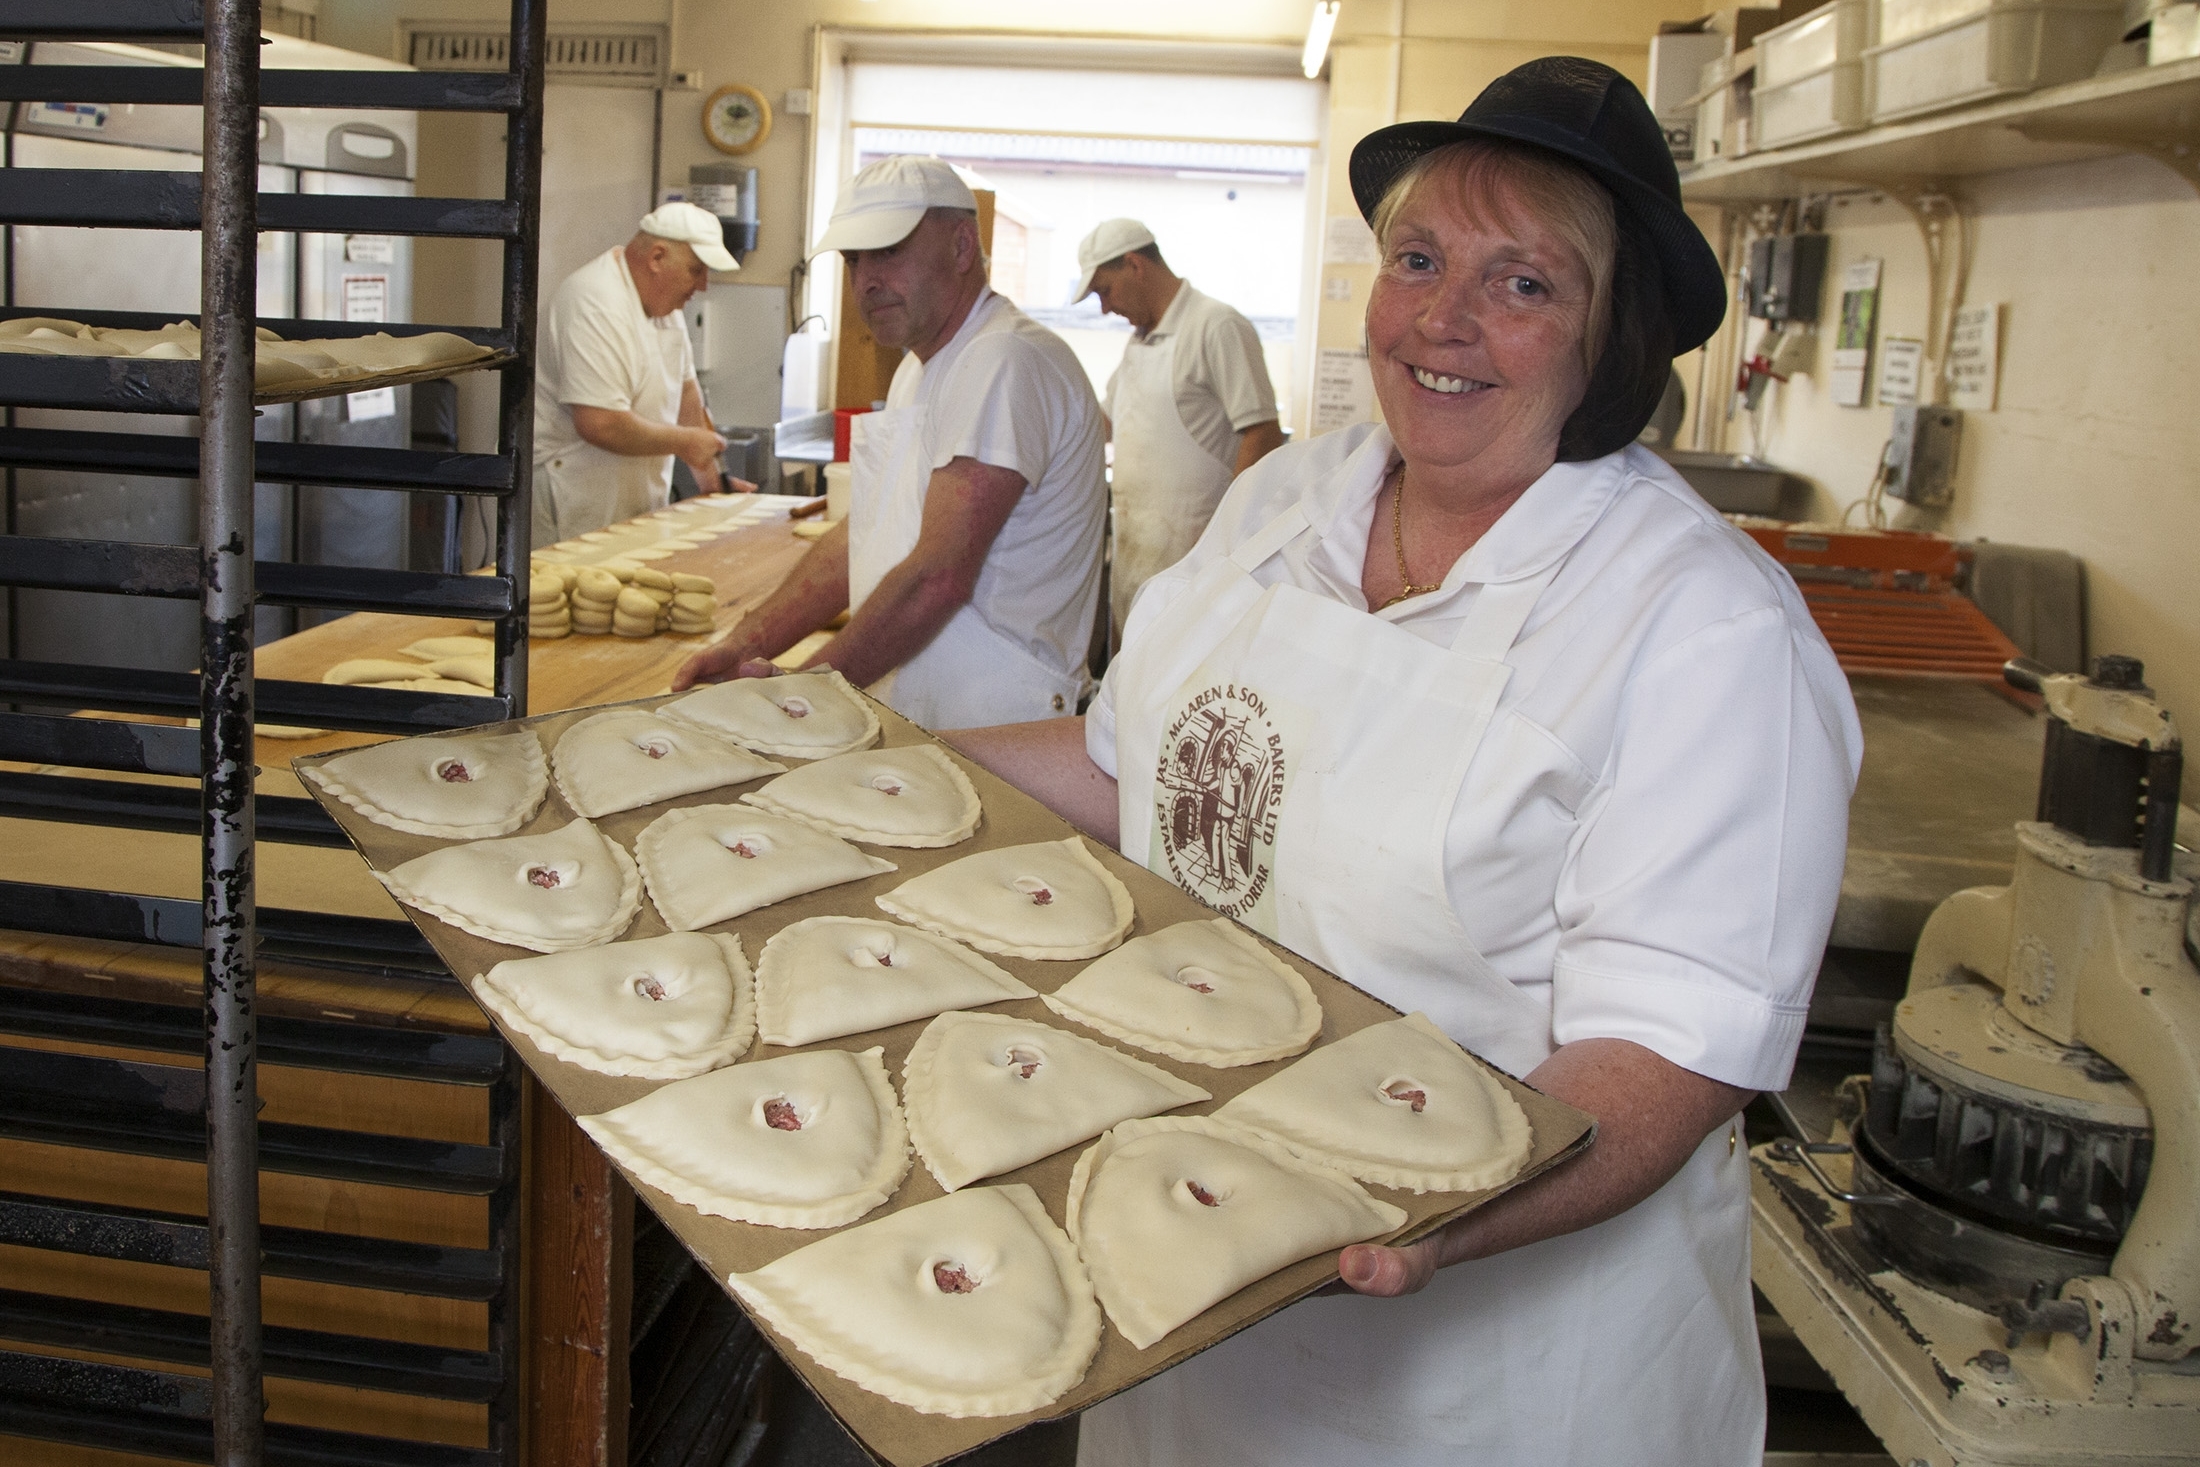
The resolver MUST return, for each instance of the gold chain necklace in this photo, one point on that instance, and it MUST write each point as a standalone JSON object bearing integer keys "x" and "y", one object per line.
{"x": 1398, "y": 541}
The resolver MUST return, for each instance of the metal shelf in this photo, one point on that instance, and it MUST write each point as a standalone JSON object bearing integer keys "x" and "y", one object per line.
{"x": 178, "y": 86}
{"x": 277, "y": 463}
{"x": 123, "y": 568}
{"x": 317, "y": 705}
{"x": 2153, "y": 111}
{"x": 104, "y": 198}
{"x": 104, "y": 20}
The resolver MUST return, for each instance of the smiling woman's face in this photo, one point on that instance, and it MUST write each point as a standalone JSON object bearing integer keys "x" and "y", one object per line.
{"x": 1475, "y": 328}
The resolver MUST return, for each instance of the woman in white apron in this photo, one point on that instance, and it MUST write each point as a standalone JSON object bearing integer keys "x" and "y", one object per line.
{"x": 1520, "y": 735}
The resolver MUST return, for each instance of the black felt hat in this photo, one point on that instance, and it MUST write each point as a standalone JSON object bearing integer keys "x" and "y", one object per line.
{"x": 1590, "y": 115}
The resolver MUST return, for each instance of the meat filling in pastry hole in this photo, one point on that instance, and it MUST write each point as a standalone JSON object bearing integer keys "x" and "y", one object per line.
{"x": 654, "y": 748}
{"x": 886, "y": 784}
{"x": 451, "y": 771}
{"x": 795, "y": 707}
{"x": 1405, "y": 1092}
{"x": 1201, "y": 1195}
{"x": 1025, "y": 1062}
{"x": 1041, "y": 895}
{"x": 953, "y": 1278}
{"x": 545, "y": 877}
{"x": 649, "y": 988}
{"x": 780, "y": 1114}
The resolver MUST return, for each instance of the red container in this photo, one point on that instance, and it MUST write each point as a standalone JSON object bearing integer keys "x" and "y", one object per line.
{"x": 842, "y": 419}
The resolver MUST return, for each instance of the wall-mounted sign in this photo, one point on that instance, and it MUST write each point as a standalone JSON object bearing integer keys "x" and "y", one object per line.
{"x": 1852, "y": 343}
{"x": 1974, "y": 358}
{"x": 1901, "y": 365}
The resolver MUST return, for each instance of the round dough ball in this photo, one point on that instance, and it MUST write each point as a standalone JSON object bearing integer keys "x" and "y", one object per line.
{"x": 702, "y": 585}
{"x": 655, "y": 579}
{"x": 634, "y": 631}
{"x": 637, "y": 604}
{"x": 623, "y": 569}
{"x": 694, "y": 604}
{"x": 596, "y": 584}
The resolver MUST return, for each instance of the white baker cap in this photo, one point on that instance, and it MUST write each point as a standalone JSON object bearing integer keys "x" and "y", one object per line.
{"x": 697, "y": 228}
{"x": 885, "y": 201}
{"x": 1111, "y": 239}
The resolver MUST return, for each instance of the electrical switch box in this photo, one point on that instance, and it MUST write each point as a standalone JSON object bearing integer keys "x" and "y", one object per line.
{"x": 1785, "y": 273}
{"x": 1921, "y": 455}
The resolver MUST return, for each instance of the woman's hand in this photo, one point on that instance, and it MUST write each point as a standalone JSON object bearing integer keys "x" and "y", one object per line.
{"x": 1651, "y": 1116}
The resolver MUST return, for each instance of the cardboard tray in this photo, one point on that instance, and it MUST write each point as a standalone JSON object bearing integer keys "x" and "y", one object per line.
{"x": 896, "y": 1434}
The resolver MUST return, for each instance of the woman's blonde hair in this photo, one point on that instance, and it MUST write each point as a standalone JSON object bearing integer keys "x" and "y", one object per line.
{"x": 1490, "y": 180}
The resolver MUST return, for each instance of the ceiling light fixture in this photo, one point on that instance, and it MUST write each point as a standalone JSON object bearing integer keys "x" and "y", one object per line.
{"x": 1318, "y": 31}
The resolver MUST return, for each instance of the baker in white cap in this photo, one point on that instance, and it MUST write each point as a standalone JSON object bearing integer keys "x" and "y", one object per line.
{"x": 970, "y": 556}
{"x": 1190, "y": 406}
{"x": 616, "y": 400}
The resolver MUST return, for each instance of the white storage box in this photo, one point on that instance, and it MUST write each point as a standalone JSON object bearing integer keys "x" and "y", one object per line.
{"x": 1834, "y": 34}
{"x": 1935, "y": 54}
{"x": 1815, "y": 106}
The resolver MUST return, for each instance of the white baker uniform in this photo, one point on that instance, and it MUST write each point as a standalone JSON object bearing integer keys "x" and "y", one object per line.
{"x": 1181, "y": 398}
{"x": 1594, "y": 786}
{"x": 598, "y": 349}
{"x": 1007, "y": 392}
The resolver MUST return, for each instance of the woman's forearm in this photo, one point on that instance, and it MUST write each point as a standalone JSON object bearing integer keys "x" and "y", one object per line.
{"x": 1047, "y": 761}
{"x": 1651, "y": 1115}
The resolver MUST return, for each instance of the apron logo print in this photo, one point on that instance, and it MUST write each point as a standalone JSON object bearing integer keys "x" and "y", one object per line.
{"x": 1218, "y": 794}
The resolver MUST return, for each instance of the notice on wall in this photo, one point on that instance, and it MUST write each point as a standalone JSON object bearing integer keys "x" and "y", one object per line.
{"x": 370, "y": 249}
{"x": 1852, "y": 344}
{"x": 1974, "y": 358}
{"x": 366, "y": 297}
{"x": 1344, "y": 393}
{"x": 1348, "y": 241}
{"x": 1901, "y": 365}
{"x": 375, "y": 402}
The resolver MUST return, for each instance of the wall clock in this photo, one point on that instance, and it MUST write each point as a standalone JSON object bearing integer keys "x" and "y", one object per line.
{"x": 737, "y": 119}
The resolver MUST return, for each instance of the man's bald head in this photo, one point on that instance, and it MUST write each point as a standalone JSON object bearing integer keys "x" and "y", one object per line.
{"x": 667, "y": 272}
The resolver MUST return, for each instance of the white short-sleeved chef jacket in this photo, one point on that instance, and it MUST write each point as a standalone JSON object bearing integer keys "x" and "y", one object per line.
{"x": 1218, "y": 376}
{"x": 598, "y": 349}
{"x": 1008, "y": 392}
{"x": 1650, "y": 838}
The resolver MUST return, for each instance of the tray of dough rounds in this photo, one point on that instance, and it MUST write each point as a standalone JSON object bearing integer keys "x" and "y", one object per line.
{"x": 53, "y": 361}
{"x": 1015, "y": 1223}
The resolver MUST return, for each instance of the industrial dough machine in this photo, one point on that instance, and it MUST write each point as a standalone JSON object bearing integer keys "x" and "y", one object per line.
{"x": 1997, "y": 1254}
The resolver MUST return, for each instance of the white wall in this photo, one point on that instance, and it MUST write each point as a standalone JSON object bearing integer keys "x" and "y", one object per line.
{"x": 2095, "y": 445}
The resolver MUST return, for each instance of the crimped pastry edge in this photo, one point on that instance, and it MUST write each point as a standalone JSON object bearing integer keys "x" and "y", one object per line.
{"x": 1081, "y": 1335}
{"x": 1417, "y": 1180}
{"x": 539, "y": 784}
{"x": 1096, "y": 1155}
{"x": 630, "y": 903}
{"x": 885, "y": 1179}
{"x": 764, "y": 800}
{"x": 1118, "y": 894}
{"x": 739, "y": 1034}
{"x": 1310, "y": 1016}
{"x": 770, "y": 1023}
{"x": 917, "y": 1085}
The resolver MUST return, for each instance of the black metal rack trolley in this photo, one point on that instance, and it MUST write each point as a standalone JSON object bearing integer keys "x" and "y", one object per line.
{"x": 164, "y": 1111}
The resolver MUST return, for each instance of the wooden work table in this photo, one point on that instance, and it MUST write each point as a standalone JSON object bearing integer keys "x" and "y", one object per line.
{"x": 577, "y": 1216}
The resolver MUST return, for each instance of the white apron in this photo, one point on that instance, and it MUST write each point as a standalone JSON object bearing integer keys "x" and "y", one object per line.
{"x": 1166, "y": 485}
{"x": 1295, "y": 763}
{"x": 970, "y": 675}
{"x": 585, "y": 487}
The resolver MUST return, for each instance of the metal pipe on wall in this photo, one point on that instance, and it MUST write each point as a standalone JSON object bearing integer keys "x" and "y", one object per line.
{"x": 229, "y": 285}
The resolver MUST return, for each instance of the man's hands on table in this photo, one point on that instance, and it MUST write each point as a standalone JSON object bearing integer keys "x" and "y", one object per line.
{"x": 1651, "y": 1116}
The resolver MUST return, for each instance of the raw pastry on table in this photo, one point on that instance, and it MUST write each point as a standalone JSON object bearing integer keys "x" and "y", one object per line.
{"x": 988, "y": 1093}
{"x": 629, "y": 757}
{"x": 1206, "y": 992}
{"x": 463, "y": 786}
{"x": 802, "y": 715}
{"x": 969, "y": 1305}
{"x": 711, "y": 863}
{"x": 568, "y": 888}
{"x": 1052, "y": 899}
{"x": 826, "y": 977}
{"x": 1177, "y": 1213}
{"x": 912, "y": 796}
{"x": 1397, "y": 1104}
{"x": 802, "y": 1141}
{"x": 662, "y": 1008}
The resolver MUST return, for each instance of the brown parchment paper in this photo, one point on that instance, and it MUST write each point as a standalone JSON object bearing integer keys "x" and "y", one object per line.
{"x": 892, "y": 1433}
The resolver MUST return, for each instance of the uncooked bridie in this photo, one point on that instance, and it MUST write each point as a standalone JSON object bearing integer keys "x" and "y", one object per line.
{"x": 802, "y": 1141}
{"x": 988, "y": 1093}
{"x": 569, "y": 888}
{"x": 464, "y": 786}
{"x": 914, "y": 796}
{"x": 711, "y": 863}
{"x": 1397, "y": 1104}
{"x": 629, "y": 757}
{"x": 970, "y": 1305}
{"x": 1177, "y": 1213}
{"x": 1052, "y": 899}
{"x": 1206, "y": 992}
{"x": 831, "y": 976}
{"x": 662, "y": 1008}
{"x": 802, "y": 715}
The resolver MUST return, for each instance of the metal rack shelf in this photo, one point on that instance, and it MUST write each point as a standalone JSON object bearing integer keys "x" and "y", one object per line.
{"x": 163, "y": 1110}
{"x": 2154, "y": 111}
